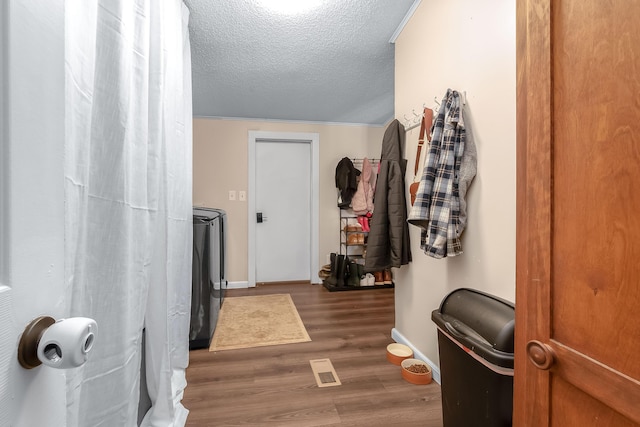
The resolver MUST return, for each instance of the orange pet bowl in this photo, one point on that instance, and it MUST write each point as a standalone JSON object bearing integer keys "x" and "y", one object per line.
{"x": 396, "y": 353}
{"x": 416, "y": 371}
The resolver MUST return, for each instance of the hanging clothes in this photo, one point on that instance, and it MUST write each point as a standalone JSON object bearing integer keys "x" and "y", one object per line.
{"x": 362, "y": 202}
{"x": 440, "y": 206}
{"x": 388, "y": 243}
{"x": 346, "y": 182}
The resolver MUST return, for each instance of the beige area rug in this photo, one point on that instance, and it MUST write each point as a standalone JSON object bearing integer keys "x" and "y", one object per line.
{"x": 258, "y": 321}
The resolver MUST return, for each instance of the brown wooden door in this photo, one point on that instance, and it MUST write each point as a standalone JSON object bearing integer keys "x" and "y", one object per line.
{"x": 578, "y": 214}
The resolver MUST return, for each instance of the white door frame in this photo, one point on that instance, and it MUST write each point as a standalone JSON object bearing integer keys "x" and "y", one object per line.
{"x": 264, "y": 136}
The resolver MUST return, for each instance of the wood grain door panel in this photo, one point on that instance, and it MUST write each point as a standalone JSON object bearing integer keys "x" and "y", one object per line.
{"x": 578, "y": 238}
{"x": 610, "y": 387}
{"x": 596, "y": 152}
{"x": 572, "y": 407}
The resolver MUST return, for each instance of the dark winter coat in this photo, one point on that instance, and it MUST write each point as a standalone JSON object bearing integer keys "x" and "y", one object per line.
{"x": 346, "y": 181}
{"x": 388, "y": 243}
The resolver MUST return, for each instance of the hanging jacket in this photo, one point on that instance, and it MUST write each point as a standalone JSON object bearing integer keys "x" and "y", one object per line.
{"x": 346, "y": 182}
{"x": 440, "y": 206}
{"x": 362, "y": 201}
{"x": 388, "y": 243}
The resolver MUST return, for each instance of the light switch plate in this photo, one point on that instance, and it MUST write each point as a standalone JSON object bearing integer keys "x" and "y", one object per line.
{"x": 232, "y": 194}
{"x": 242, "y": 196}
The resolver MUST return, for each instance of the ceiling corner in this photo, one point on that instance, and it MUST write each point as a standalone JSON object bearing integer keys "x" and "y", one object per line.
{"x": 404, "y": 21}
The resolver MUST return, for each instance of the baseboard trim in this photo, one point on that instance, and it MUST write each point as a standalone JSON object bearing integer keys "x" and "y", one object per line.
{"x": 245, "y": 285}
{"x": 237, "y": 285}
{"x": 399, "y": 338}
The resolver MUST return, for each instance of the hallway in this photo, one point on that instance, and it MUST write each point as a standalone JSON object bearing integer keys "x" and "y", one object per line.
{"x": 275, "y": 386}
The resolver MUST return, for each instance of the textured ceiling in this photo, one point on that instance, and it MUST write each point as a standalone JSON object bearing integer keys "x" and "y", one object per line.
{"x": 332, "y": 64}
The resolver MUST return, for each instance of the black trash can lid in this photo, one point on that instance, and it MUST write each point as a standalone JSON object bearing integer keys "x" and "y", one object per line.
{"x": 480, "y": 322}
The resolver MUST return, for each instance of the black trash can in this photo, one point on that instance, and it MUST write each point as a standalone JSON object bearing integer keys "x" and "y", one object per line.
{"x": 475, "y": 344}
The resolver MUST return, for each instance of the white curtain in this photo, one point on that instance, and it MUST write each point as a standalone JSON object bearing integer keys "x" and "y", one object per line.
{"x": 128, "y": 205}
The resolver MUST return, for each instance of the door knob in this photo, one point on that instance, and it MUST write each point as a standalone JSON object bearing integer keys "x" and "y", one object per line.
{"x": 540, "y": 354}
{"x": 63, "y": 344}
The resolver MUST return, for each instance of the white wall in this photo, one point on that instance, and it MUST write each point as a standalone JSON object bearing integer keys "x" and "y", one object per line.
{"x": 220, "y": 159}
{"x": 7, "y": 329}
{"x": 468, "y": 46}
{"x": 32, "y": 194}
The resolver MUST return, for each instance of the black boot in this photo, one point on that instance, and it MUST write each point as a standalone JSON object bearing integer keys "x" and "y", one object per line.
{"x": 354, "y": 276}
{"x": 341, "y": 271}
{"x": 361, "y": 274}
{"x": 333, "y": 276}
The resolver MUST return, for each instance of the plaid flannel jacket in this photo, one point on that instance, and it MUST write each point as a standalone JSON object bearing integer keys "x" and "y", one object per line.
{"x": 436, "y": 209}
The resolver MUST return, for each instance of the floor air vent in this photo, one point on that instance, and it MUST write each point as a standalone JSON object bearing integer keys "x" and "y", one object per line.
{"x": 324, "y": 373}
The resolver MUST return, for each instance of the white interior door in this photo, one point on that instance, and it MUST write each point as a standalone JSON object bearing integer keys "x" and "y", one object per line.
{"x": 31, "y": 203}
{"x": 283, "y": 200}
{"x": 283, "y": 185}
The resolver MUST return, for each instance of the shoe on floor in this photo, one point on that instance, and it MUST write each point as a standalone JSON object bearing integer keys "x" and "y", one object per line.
{"x": 378, "y": 277}
{"x": 387, "y": 278}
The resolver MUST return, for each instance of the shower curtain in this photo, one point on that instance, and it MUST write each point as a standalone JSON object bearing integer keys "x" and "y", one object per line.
{"x": 128, "y": 205}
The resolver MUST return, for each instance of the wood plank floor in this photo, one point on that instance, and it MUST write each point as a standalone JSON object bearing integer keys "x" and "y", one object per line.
{"x": 274, "y": 386}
